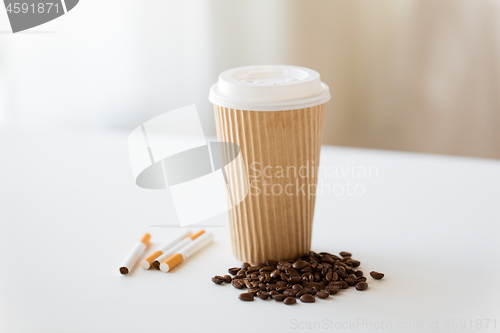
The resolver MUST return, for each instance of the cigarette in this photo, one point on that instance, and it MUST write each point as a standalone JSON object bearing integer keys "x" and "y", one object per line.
{"x": 136, "y": 252}
{"x": 175, "y": 249}
{"x": 146, "y": 263}
{"x": 186, "y": 252}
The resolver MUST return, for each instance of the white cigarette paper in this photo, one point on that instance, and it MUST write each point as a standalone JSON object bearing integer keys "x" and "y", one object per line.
{"x": 134, "y": 255}
{"x": 176, "y": 248}
{"x": 187, "y": 251}
{"x": 146, "y": 263}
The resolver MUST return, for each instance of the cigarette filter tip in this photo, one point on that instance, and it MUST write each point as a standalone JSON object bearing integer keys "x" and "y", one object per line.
{"x": 146, "y": 263}
{"x": 171, "y": 262}
{"x": 145, "y": 239}
{"x": 196, "y": 235}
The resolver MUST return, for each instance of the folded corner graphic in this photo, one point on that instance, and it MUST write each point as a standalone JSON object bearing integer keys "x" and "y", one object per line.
{"x": 170, "y": 152}
{"x": 27, "y": 14}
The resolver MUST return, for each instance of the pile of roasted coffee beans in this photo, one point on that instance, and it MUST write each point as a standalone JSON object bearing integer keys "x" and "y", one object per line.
{"x": 314, "y": 274}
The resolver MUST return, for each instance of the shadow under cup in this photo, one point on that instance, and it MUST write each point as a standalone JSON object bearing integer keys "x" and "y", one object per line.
{"x": 281, "y": 151}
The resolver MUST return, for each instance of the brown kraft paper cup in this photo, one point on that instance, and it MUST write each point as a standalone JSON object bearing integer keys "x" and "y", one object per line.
{"x": 278, "y": 225}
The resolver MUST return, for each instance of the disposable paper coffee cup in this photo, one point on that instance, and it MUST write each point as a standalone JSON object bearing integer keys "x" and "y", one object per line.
{"x": 275, "y": 114}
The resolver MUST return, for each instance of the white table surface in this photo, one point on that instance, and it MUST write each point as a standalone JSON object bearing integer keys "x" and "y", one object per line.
{"x": 70, "y": 211}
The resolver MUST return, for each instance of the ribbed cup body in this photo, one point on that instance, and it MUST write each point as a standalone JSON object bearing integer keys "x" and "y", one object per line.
{"x": 275, "y": 220}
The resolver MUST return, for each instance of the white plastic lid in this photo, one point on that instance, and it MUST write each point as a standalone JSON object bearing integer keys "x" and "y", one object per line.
{"x": 269, "y": 88}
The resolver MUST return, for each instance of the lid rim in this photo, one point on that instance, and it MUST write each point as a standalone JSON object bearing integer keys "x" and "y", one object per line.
{"x": 267, "y": 105}
{"x": 269, "y": 88}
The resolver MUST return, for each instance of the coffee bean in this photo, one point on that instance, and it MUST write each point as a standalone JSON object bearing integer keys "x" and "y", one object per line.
{"x": 307, "y": 269}
{"x": 314, "y": 259}
{"x": 328, "y": 259}
{"x": 263, "y": 295}
{"x": 246, "y": 297}
{"x": 238, "y": 284}
{"x": 217, "y": 279}
{"x": 299, "y": 264}
{"x": 271, "y": 286}
{"x": 272, "y": 263}
{"x": 281, "y": 284}
{"x": 290, "y": 292}
{"x": 376, "y": 275}
{"x": 251, "y": 270}
{"x": 284, "y": 264}
{"x": 253, "y": 291}
{"x": 266, "y": 278}
{"x": 340, "y": 264}
{"x": 313, "y": 284}
{"x": 254, "y": 276}
{"x": 323, "y": 294}
{"x": 290, "y": 300}
{"x": 361, "y": 286}
{"x": 308, "y": 276}
{"x": 276, "y": 274}
{"x": 313, "y": 290}
{"x": 354, "y": 263}
{"x": 303, "y": 292}
{"x": 307, "y": 298}
{"x": 233, "y": 271}
{"x": 321, "y": 274}
{"x": 266, "y": 269}
{"x": 291, "y": 272}
{"x": 338, "y": 284}
{"x": 281, "y": 289}
{"x": 350, "y": 281}
{"x": 332, "y": 289}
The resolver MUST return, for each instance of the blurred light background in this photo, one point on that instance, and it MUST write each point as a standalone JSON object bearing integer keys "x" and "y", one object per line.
{"x": 404, "y": 74}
